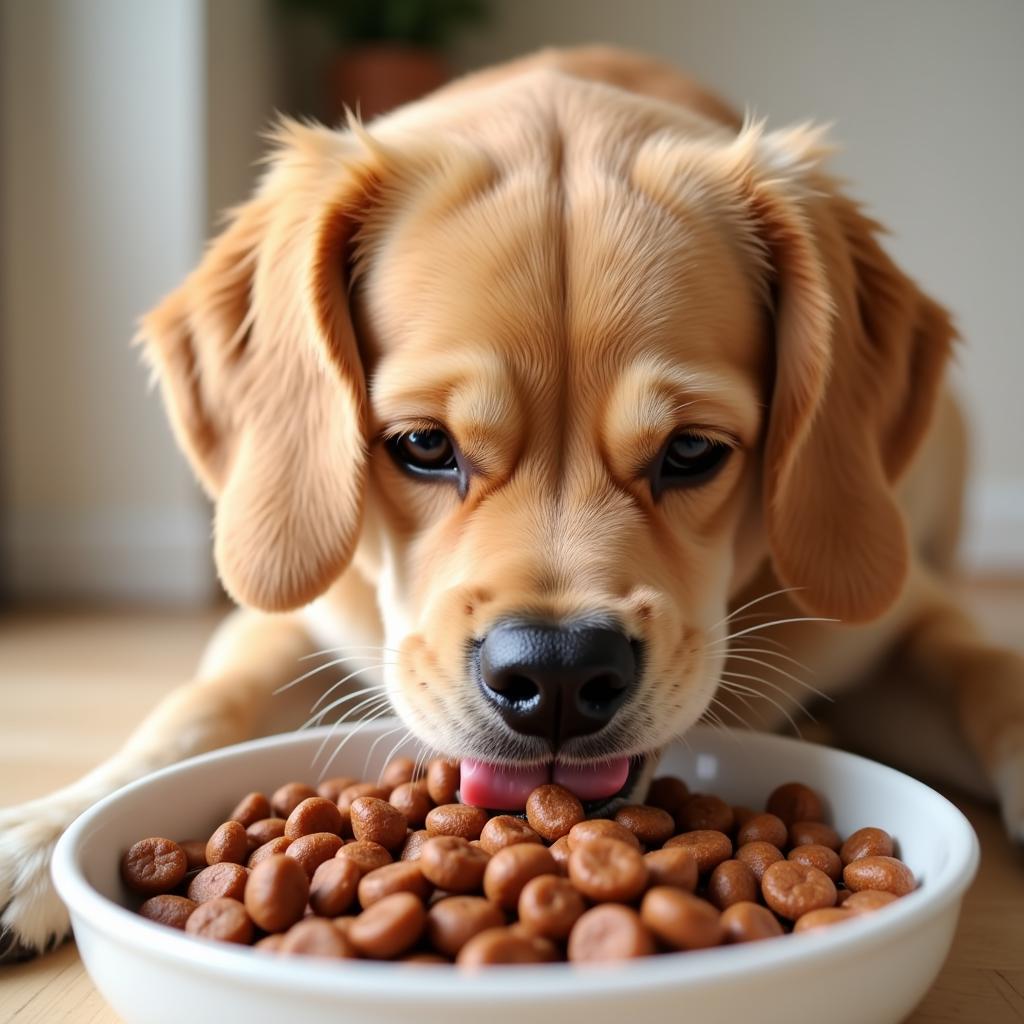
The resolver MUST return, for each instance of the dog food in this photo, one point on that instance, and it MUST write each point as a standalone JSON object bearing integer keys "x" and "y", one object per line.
{"x": 399, "y": 870}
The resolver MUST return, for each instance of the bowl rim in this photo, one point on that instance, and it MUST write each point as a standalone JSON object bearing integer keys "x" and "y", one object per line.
{"x": 544, "y": 981}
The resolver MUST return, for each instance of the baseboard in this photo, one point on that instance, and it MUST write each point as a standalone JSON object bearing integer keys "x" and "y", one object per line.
{"x": 154, "y": 556}
{"x": 993, "y": 543}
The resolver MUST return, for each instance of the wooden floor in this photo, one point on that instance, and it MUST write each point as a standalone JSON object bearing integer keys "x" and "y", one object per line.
{"x": 60, "y": 670}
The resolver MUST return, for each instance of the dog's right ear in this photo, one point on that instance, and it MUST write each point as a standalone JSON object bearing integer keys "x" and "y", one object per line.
{"x": 261, "y": 375}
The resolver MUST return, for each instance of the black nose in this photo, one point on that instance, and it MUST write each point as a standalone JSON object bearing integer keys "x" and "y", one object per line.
{"x": 556, "y": 683}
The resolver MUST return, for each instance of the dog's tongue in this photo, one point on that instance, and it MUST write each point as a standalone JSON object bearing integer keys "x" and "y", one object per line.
{"x": 504, "y": 788}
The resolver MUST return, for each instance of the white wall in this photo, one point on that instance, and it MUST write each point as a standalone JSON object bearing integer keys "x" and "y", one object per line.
{"x": 926, "y": 99}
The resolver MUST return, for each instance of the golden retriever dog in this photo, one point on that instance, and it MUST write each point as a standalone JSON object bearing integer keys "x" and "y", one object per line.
{"x": 564, "y": 409}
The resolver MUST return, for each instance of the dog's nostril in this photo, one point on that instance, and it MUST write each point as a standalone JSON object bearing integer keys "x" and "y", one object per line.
{"x": 515, "y": 688}
{"x": 602, "y": 690}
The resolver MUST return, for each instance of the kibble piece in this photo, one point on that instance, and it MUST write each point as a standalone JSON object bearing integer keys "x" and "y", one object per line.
{"x": 452, "y": 864}
{"x": 681, "y": 920}
{"x": 195, "y": 853}
{"x": 172, "y": 911}
{"x": 312, "y": 850}
{"x": 353, "y": 793}
{"x": 814, "y": 833}
{"x": 607, "y": 871}
{"x": 705, "y": 813}
{"x": 390, "y": 926}
{"x": 884, "y": 874}
{"x": 758, "y": 857}
{"x": 707, "y": 847}
{"x": 866, "y": 901}
{"x": 608, "y": 933}
{"x": 453, "y": 921}
{"x": 315, "y": 937}
{"x": 547, "y": 952}
{"x": 418, "y": 959}
{"x": 794, "y": 801}
{"x": 793, "y": 889}
{"x": 250, "y": 809}
{"x": 411, "y": 800}
{"x": 154, "y": 866}
{"x": 333, "y": 888}
{"x": 866, "y": 842}
{"x": 549, "y": 906}
{"x": 456, "y": 820}
{"x": 600, "y": 828}
{"x": 229, "y": 844}
{"x": 365, "y": 855}
{"x": 560, "y": 851}
{"x": 732, "y": 882}
{"x": 287, "y": 797}
{"x": 500, "y": 946}
{"x": 269, "y": 944}
{"x": 820, "y": 857}
{"x": 442, "y": 781}
{"x": 376, "y": 821}
{"x": 505, "y": 830}
{"x": 314, "y": 814}
{"x": 261, "y": 853}
{"x": 276, "y": 895}
{"x": 749, "y": 922}
{"x": 398, "y": 771}
{"x": 668, "y": 793}
{"x": 413, "y": 845}
{"x": 331, "y": 789}
{"x": 403, "y": 876}
{"x": 223, "y": 919}
{"x": 262, "y": 831}
{"x": 218, "y": 880}
{"x": 676, "y": 867}
{"x": 824, "y": 918}
{"x": 763, "y": 828}
{"x": 511, "y": 868}
{"x": 552, "y": 811}
{"x": 651, "y": 825}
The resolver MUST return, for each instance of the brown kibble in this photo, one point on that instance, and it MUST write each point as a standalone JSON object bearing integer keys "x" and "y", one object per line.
{"x": 866, "y": 901}
{"x": 794, "y": 801}
{"x": 219, "y": 880}
{"x": 552, "y": 811}
{"x": 452, "y": 864}
{"x": 651, "y": 825}
{"x": 269, "y": 849}
{"x": 250, "y": 809}
{"x": 707, "y": 847}
{"x": 681, "y": 920}
{"x": 223, "y": 919}
{"x": 331, "y": 789}
{"x": 814, "y": 833}
{"x": 269, "y": 944}
{"x": 397, "y": 772}
{"x": 353, "y": 793}
{"x": 410, "y": 799}
{"x": 763, "y": 828}
{"x": 286, "y": 798}
{"x": 262, "y": 831}
{"x": 608, "y": 933}
{"x": 607, "y": 871}
{"x": 276, "y": 895}
{"x": 172, "y": 911}
{"x": 154, "y": 866}
{"x": 195, "y": 853}
{"x": 749, "y": 922}
{"x": 705, "y": 813}
{"x": 866, "y": 842}
{"x": 511, "y": 868}
{"x": 390, "y": 926}
{"x": 228, "y": 845}
{"x": 413, "y": 845}
{"x": 505, "y": 830}
{"x": 312, "y": 850}
{"x": 758, "y": 856}
{"x": 453, "y": 921}
{"x": 883, "y": 874}
{"x": 675, "y": 866}
{"x": 333, "y": 888}
{"x": 442, "y": 781}
{"x": 376, "y": 821}
{"x": 315, "y": 937}
{"x": 600, "y": 828}
{"x": 668, "y": 793}
{"x": 820, "y": 857}
{"x": 824, "y": 918}
{"x": 402, "y": 876}
{"x": 314, "y": 814}
{"x": 560, "y": 851}
{"x": 732, "y": 882}
{"x": 792, "y": 889}
{"x": 501, "y": 946}
{"x": 549, "y": 906}
{"x": 367, "y": 856}
{"x": 456, "y": 820}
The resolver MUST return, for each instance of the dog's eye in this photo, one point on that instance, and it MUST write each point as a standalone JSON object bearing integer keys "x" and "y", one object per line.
{"x": 689, "y": 459}
{"x": 425, "y": 451}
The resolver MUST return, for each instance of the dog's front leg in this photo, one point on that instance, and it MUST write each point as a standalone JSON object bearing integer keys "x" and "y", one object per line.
{"x": 231, "y": 699}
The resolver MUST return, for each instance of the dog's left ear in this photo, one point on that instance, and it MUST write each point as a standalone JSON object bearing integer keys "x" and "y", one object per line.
{"x": 860, "y": 355}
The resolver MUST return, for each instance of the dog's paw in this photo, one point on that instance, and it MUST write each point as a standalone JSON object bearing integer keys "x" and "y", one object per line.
{"x": 1010, "y": 791}
{"x": 32, "y": 918}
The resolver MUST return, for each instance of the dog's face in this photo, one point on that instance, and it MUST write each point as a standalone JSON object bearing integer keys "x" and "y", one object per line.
{"x": 532, "y": 383}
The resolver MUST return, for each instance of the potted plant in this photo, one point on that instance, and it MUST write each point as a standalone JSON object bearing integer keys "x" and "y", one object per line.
{"x": 391, "y": 51}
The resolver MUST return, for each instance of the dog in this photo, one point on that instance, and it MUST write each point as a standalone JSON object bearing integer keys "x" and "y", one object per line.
{"x": 564, "y": 409}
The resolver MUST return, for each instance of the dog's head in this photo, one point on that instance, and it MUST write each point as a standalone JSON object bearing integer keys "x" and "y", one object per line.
{"x": 559, "y": 367}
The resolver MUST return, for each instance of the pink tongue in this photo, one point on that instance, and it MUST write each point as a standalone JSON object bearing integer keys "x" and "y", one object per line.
{"x": 502, "y": 788}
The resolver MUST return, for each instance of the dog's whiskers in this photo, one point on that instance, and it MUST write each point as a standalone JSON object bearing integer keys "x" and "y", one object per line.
{"x": 314, "y": 671}
{"x": 350, "y": 647}
{"x": 750, "y": 604}
{"x": 356, "y": 729}
{"x": 775, "y": 668}
{"x": 318, "y": 717}
{"x": 372, "y": 702}
{"x": 767, "y": 625}
{"x": 401, "y": 727}
{"x": 740, "y": 688}
{"x": 341, "y": 682}
{"x": 770, "y": 654}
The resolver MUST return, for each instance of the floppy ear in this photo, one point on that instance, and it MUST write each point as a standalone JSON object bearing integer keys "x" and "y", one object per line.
{"x": 262, "y": 379}
{"x": 860, "y": 355}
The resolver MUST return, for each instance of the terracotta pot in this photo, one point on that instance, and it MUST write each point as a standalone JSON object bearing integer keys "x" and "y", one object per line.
{"x": 377, "y": 78}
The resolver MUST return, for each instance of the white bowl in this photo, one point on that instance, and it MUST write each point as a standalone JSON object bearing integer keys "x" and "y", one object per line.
{"x": 871, "y": 970}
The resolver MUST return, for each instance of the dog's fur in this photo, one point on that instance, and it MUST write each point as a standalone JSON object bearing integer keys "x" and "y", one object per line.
{"x": 563, "y": 261}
